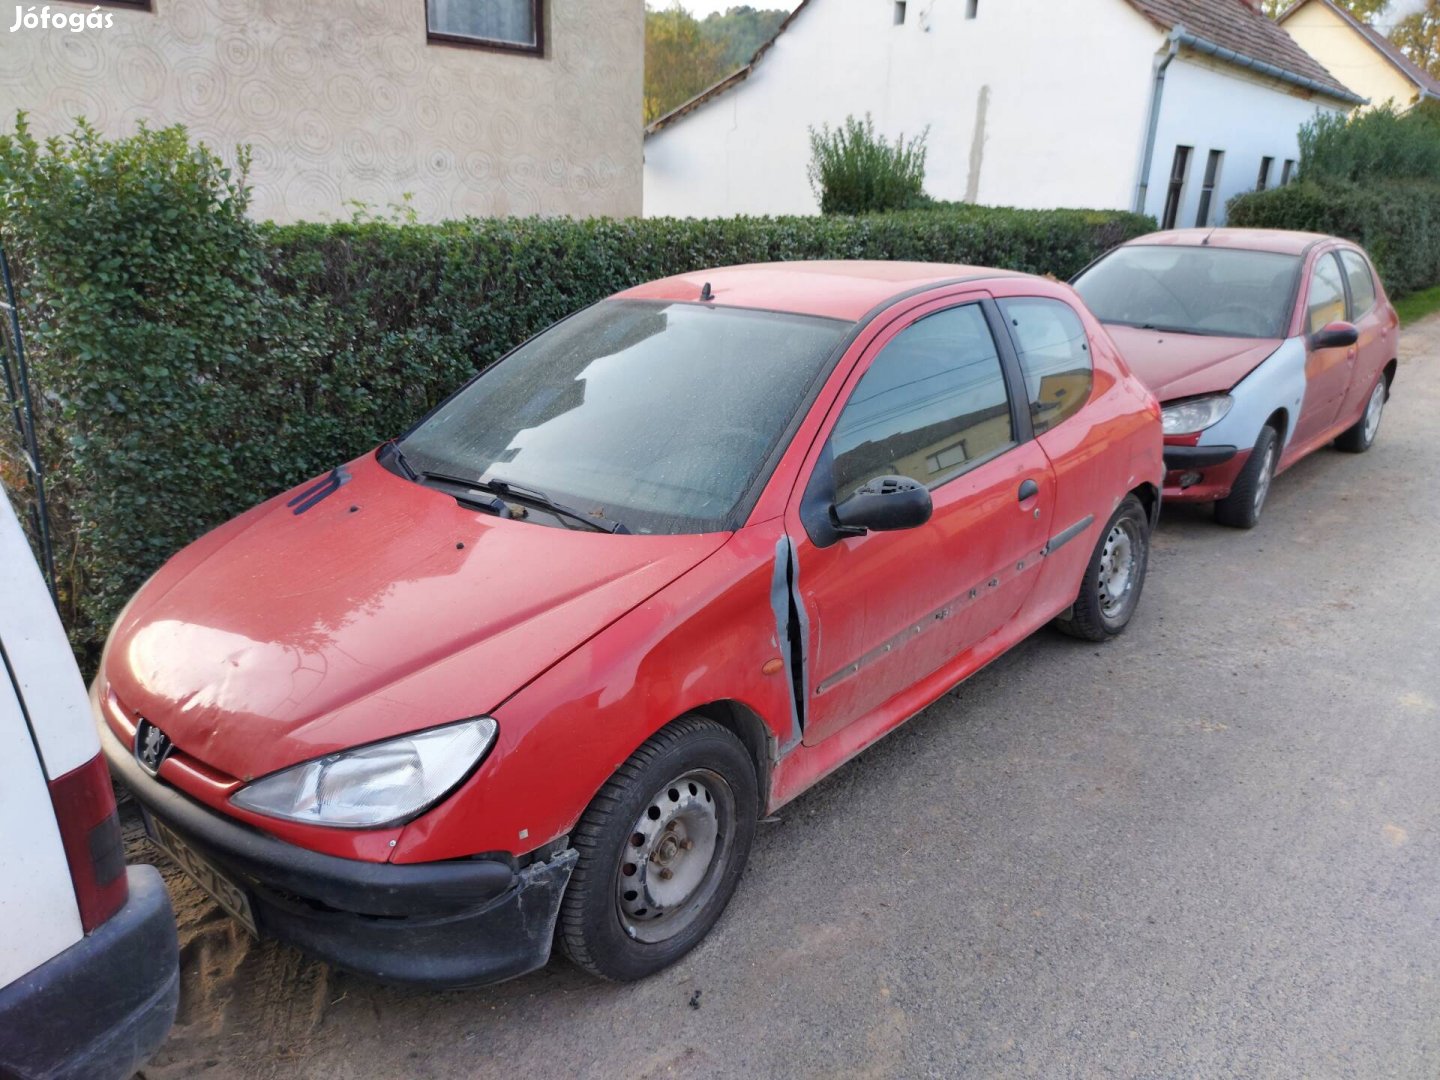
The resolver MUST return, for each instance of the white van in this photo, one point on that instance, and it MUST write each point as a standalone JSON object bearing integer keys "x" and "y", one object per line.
{"x": 89, "y": 965}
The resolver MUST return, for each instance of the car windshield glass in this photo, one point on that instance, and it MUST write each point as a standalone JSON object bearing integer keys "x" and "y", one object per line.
{"x": 1193, "y": 290}
{"x": 656, "y": 415}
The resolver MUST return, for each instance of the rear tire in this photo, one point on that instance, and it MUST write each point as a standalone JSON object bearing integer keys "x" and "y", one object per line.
{"x": 1241, "y": 509}
{"x": 1358, "y": 439}
{"x": 661, "y": 850}
{"x": 1111, "y": 588}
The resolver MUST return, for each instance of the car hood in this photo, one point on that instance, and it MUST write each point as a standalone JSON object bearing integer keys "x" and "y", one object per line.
{"x": 386, "y": 607}
{"x": 1183, "y": 365}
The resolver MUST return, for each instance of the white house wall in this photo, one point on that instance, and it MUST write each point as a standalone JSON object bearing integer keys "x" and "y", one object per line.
{"x": 1211, "y": 108}
{"x": 1065, "y": 88}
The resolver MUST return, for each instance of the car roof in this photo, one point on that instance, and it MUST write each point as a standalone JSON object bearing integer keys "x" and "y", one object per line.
{"x": 1280, "y": 241}
{"x": 834, "y": 289}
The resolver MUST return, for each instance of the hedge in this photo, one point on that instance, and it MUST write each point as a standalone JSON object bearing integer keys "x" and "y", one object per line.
{"x": 191, "y": 363}
{"x": 1397, "y": 222}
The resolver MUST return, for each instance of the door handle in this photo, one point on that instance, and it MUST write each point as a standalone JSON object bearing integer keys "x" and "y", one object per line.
{"x": 1028, "y": 490}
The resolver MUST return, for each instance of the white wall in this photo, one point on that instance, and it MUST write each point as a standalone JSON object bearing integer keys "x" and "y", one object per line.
{"x": 1211, "y": 108}
{"x": 348, "y": 100}
{"x": 1069, "y": 87}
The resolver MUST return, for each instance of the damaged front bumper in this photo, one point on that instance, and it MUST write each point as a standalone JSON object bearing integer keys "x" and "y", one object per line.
{"x": 464, "y": 922}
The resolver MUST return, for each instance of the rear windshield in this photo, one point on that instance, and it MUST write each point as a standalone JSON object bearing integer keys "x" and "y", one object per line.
{"x": 657, "y": 415}
{"x": 1193, "y": 290}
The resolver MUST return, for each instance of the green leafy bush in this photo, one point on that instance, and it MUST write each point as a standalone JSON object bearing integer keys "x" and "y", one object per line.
{"x": 192, "y": 363}
{"x": 1397, "y": 222}
{"x": 854, "y": 171}
{"x": 1378, "y": 144}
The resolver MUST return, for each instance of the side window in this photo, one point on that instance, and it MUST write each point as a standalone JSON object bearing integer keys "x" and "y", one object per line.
{"x": 1362, "y": 285}
{"x": 932, "y": 405}
{"x": 1054, "y": 355}
{"x": 1327, "y": 294}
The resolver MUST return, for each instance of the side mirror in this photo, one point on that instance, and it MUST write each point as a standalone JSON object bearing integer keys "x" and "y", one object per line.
{"x": 1336, "y": 335}
{"x": 885, "y": 504}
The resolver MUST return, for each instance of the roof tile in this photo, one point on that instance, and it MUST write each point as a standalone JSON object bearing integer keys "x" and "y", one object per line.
{"x": 1238, "y": 26}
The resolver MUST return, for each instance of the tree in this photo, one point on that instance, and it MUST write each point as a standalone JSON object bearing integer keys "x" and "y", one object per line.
{"x": 742, "y": 30}
{"x": 680, "y": 61}
{"x": 1368, "y": 10}
{"x": 1419, "y": 37}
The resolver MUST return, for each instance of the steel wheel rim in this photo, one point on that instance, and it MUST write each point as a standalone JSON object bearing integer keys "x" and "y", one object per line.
{"x": 1119, "y": 559}
{"x": 1262, "y": 482}
{"x": 1374, "y": 409}
{"x": 675, "y": 856}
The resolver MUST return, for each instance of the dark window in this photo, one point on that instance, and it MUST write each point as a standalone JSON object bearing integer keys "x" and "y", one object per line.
{"x": 1287, "y": 173}
{"x": 932, "y": 405}
{"x": 516, "y": 25}
{"x": 1190, "y": 289}
{"x": 1263, "y": 182}
{"x": 1179, "y": 169}
{"x": 972, "y": 8}
{"x": 1362, "y": 284}
{"x": 1327, "y": 295}
{"x": 899, "y": 12}
{"x": 1054, "y": 355}
{"x": 660, "y": 415}
{"x": 1207, "y": 192}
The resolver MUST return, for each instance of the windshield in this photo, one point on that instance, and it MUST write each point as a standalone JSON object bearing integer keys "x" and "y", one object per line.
{"x": 659, "y": 416}
{"x": 1193, "y": 290}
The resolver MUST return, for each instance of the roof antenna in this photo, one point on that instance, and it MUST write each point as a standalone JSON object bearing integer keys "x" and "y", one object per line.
{"x": 706, "y": 295}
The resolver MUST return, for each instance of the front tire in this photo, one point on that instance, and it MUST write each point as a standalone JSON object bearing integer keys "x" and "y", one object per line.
{"x": 661, "y": 850}
{"x": 1111, "y": 588}
{"x": 1241, "y": 509}
{"x": 1358, "y": 439}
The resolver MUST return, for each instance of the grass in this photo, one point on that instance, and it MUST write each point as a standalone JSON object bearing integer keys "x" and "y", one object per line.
{"x": 1418, "y": 305}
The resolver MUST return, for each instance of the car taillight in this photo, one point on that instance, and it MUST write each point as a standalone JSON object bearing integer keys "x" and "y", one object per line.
{"x": 84, "y": 805}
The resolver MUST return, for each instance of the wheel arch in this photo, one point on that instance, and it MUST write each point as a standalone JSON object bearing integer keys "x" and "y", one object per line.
{"x": 754, "y": 734}
{"x": 1280, "y": 421}
{"x": 1149, "y": 496}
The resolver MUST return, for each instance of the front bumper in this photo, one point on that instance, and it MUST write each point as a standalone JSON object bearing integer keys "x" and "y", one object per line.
{"x": 1201, "y": 473}
{"x": 104, "y": 1005}
{"x": 465, "y": 922}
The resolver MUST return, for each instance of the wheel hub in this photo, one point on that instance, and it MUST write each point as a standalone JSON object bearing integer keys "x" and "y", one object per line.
{"x": 1117, "y": 569}
{"x": 665, "y": 873}
{"x": 1373, "y": 410}
{"x": 1262, "y": 482}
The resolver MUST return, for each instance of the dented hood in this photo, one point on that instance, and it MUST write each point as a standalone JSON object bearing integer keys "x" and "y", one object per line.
{"x": 383, "y": 608}
{"x": 1183, "y": 365}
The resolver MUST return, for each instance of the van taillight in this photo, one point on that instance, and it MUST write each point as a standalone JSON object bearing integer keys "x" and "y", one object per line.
{"x": 84, "y": 805}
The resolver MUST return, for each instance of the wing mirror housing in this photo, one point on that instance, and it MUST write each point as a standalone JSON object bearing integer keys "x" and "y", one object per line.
{"x": 885, "y": 504}
{"x": 1335, "y": 335}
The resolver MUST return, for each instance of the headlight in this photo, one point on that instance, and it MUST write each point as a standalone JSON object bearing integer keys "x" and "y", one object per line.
{"x": 386, "y": 783}
{"x": 1188, "y": 417}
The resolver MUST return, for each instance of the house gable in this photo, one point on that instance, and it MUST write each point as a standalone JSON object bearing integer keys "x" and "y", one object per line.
{"x": 1364, "y": 56}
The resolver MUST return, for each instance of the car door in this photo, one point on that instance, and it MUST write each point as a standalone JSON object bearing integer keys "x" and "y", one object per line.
{"x": 935, "y": 399}
{"x": 1327, "y": 371}
{"x": 1376, "y": 325}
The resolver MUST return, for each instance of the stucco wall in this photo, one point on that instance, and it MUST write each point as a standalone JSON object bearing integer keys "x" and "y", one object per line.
{"x": 1212, "y": 108}
{"x": 345, "y": 100}
{"x": 1348, "y": 56}
{"x": 1063, "y": 89}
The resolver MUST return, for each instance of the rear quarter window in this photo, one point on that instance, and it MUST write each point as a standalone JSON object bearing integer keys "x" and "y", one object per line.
{"x": 1054, "y": 356}
{"x": 1362, "y": 284}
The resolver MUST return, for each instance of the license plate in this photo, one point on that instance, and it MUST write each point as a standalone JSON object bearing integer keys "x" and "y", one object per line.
{"x": 222, "y": 890}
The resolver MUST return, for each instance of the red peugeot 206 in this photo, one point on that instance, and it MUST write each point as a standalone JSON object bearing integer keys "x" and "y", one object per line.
{"x": 534, "y": 670}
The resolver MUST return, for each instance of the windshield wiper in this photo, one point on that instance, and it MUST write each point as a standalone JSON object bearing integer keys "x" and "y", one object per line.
{"x": 504, "y": 489}
{"x": 539, "y": 498}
